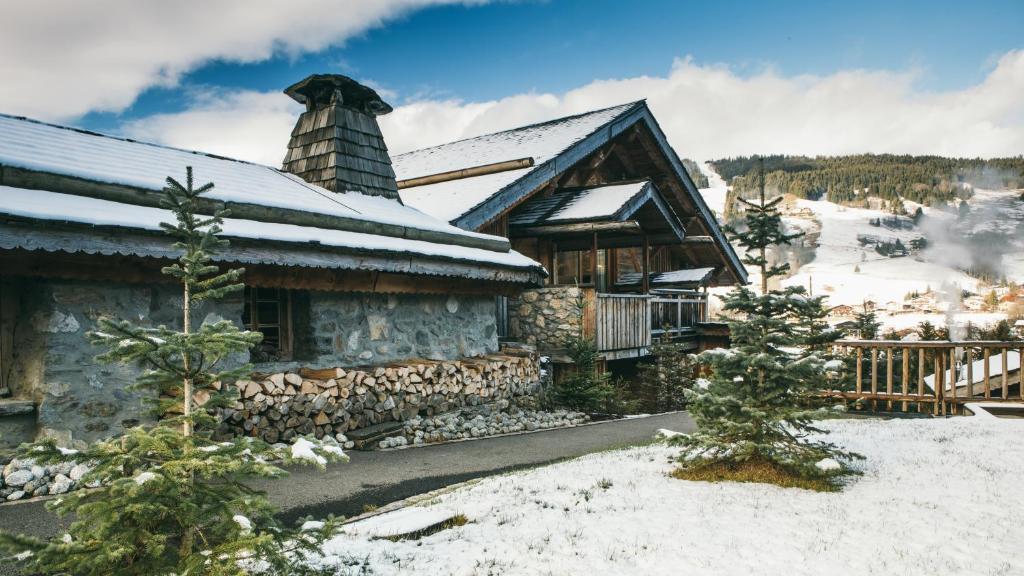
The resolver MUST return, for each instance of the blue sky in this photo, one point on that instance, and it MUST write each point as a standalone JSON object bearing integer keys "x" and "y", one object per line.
{"x": 486, "y": 52}
{"x": 723, "y": 78}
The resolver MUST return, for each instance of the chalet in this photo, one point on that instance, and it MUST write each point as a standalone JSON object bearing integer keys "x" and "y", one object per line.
{"x": 603, "y": 201}
{"x": 339, "y": 271}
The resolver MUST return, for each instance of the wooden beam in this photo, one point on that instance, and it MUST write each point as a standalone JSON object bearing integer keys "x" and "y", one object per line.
{"x": 579, "y": 228}
{"x": 645, "y": 288}
{"x": 471, "y": 172}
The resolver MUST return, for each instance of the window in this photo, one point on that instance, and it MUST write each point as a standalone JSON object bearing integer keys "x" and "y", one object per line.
{"x": 268, "y": 311}
{"x": 574, "y": 267}
{"x": 628, "y": 261}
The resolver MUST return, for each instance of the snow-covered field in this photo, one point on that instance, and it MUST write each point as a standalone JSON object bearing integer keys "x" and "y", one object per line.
{"x": 936, "y": 497}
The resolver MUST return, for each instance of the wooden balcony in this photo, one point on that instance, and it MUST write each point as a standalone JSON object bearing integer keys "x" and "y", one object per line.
{"x": 625, "y": 325}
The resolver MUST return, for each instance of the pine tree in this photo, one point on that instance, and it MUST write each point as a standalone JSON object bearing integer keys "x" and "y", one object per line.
{"x": 666, "y": 376}
{"x": 866, "y": 324}
{"x": 168, "y": 499}
{"x": 759, "y": 404}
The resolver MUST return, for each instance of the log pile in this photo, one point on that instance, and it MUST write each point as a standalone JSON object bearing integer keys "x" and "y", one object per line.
{"x": 277, "y": 407}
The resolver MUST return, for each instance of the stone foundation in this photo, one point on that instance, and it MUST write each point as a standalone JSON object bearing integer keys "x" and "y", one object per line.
{"x": 545, "y": 317}
{"x": 277, "y": 407}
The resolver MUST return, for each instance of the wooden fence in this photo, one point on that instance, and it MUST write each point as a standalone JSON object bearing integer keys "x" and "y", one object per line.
{"x": 933, "y": 376}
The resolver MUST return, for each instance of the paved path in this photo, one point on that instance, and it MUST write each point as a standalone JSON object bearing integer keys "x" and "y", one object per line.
{"x": 382, "y": 477}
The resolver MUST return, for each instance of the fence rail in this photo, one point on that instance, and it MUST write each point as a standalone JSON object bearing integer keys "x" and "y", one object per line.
{"x": 943, "y": 374}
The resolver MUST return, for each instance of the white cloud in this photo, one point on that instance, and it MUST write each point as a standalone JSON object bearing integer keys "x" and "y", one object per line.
{"x": 248, "y": 125}
{"x": 707, "y": 112}
{"x": 61, "y": 59}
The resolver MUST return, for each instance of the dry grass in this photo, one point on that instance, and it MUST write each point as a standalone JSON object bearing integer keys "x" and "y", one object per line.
{"x": 760, "y": 471}
{"x": 453, "y": 522}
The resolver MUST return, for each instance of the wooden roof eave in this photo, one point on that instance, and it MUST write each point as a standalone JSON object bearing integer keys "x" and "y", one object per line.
{"x": 73, "y": 238}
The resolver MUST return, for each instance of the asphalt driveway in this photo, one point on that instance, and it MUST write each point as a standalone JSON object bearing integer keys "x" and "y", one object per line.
{"x": 378, "y": 478}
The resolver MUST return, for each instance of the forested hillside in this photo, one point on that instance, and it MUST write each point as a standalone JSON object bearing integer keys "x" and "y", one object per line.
{"x": 699, "y": 179}
{"x": 923, "y": 179}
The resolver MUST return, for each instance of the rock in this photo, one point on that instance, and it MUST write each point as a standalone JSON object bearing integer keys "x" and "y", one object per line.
{"x": 18, "y": 478}
{"x": 78, "y": 471}
{"x": 16, "y": 495}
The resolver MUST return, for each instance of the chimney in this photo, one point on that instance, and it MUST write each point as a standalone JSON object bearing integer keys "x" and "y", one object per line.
{"x": 336, "y": 142}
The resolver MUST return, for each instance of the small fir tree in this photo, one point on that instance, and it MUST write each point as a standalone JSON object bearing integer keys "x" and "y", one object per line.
{"x": 759, "y": 403}
{"x": 866, "y": 324}
{"x": 168, "y": 499}
{"x": 667, "y": 376}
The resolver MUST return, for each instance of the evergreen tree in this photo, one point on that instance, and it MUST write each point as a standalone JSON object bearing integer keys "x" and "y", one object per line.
{"x": 667, "y": 376}
{"x": 169, "y": 499}
{"x": 866, "y": 324}
{"x": 759, "y": 404}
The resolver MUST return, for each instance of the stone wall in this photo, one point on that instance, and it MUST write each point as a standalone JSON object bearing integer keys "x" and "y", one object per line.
{"x": 545, "y": 317}
{"x": 360, "y": 329}
{"x": 277, "y": 407}
{"x": 80, "y": 400}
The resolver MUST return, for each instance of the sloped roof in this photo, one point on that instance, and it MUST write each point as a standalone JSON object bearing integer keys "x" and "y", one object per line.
{"x": 543, "y": 142}
{"x": 34, "y": 145}
{"x": 555, "y": 146}
{"x": 259, "y": 196}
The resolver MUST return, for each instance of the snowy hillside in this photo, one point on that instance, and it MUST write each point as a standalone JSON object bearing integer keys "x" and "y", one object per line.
{"x": 850, "y": 272}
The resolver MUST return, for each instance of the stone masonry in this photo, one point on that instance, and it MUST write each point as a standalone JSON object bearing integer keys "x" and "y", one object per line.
{"x": 80, "y": 400}
{"x": 545, "y": 317}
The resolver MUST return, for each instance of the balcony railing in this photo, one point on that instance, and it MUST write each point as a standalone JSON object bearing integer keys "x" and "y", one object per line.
{"x": 632, "y": 321}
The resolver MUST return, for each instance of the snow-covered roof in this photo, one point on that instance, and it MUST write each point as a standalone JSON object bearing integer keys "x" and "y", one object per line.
{"x": 67, "y": 208}
{"x": 454, "y": 198}
{"x": 690, "y": 276}
{"x": 581, "y": 204}
{"x": 599, "y": 202}
{"x": 352, "y": 222}
{"x": 67, "y": 151}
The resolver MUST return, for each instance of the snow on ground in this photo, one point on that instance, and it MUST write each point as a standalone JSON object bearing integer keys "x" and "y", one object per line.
{"x": 714, "y": 194}
{"x": 936, "y": 497}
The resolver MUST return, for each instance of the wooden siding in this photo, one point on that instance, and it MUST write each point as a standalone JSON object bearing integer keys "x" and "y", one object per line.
{"x": 622, "y": 321}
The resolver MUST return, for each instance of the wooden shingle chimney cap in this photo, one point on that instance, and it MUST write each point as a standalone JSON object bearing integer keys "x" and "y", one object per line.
{"x": 319, "y": 90}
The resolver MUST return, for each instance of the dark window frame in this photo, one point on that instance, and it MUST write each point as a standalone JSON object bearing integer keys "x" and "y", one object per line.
{"x": 267, "y": 310}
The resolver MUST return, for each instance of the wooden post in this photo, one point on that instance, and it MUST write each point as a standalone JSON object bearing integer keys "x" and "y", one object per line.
{"x": 1020, "y": 371}
{"x": 970, "y": 372}
{"x": 988, "y": 381}
{"x": 646, "y": 264}
{"x": 888, "y": 377}
{"x": 904, "y": 380}
{"x": 874, "y": 377}
{"x": 1006, "y": 368}
{"x": 952, "y": 376}
{"x": 860, "y": 370}
{"x": 920, "y": 377}
{"x": 937, "y": 383}
{"x": 593, "y": 263}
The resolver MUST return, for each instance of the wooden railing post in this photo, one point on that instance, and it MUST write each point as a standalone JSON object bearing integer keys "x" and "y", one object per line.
{"x": 986, "y": 353}
{"x": 874, "y": 377}
{"x": 1006, "y": 376}
{"x": 904, "y": 380}
{"x": 888, "y": 377}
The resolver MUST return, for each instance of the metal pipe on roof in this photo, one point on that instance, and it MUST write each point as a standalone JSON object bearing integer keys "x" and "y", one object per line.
{"x": 474, "y": 171}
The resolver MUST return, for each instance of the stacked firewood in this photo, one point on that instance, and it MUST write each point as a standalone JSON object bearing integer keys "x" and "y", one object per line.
{"x": 277, "y": 407}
